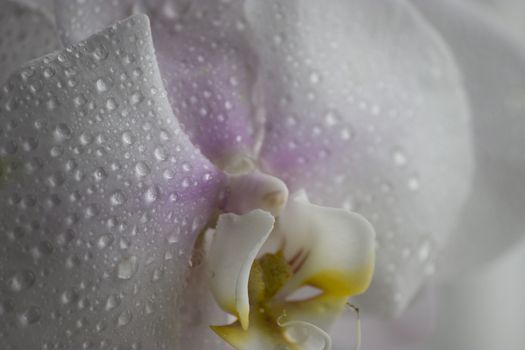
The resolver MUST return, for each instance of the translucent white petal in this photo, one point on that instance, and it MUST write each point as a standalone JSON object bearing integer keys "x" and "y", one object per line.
{"x": 25, "y": 34}
{"x": 255, "y": 190}
{"x": 365, "y": 109}
{"x": 102, "y": 197}
{"x": 328, "y": 248}
{"x": 236, "y": 243}
{"x": 493, "y": 66}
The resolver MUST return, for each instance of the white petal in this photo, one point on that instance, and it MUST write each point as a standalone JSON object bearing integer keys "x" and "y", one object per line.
{"x": 494, "y": 69}
{"x": 331, "y": 249}
{"x": 102, "y": 198}
{"x": 236, "y": 243}
{"x": 256, "y": 190}
{"x": 25, "y": 34}
{"x": 366, "y": 111}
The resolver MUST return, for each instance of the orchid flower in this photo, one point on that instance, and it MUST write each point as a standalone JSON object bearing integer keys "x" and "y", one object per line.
{"x": 164, "y": 163}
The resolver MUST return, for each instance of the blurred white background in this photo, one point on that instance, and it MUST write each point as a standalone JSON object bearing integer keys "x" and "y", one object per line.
{"x": 485, "y": 309}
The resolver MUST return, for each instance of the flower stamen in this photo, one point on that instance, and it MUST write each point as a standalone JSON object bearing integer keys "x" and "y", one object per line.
{"x": 358, "y": 325}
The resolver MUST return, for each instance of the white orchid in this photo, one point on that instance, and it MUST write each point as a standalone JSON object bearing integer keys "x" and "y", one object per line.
{"x": 176, "y": 161}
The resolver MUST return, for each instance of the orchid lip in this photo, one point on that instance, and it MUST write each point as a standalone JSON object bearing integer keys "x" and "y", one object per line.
{"x": 329, "y": 249}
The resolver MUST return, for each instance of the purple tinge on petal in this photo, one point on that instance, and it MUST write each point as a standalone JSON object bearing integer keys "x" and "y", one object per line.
{"x": 365, "y": 110}
{"x": 102, "y": 198}
{"x": 204, "y": 59}
{"x": 209, "y": 85}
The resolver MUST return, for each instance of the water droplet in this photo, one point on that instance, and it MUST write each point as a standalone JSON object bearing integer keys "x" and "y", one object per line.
{"x": 233, "y": 81}
{"x": 413, "y": 183}
{"x": 127, "y": 267}
{"x": 314, "y": 78}
{"x": 168, "y": 174}
{"x": 173, "y": 197}
{"x": 399, "y": 157}
{"x": 160, "y": 154}
{"x": 124, "y": 318}
{"x": 186, "y": 166}
{"x": 51, "y": 104}
{"x": 112, "y": 302}
{"x": 136, "y": 98}
{"x": 100, "y": 53}
{"x": 152, "y": 194}
{"x": 101, "y": 85}
{"x": 346, "y": 134}
{"x": 48, "y": 73}
{"x": 142, "y": 169}
{"x": 100, "y": 174}
{"x": 85, "y": 139}
{"x": 105, "y": 241}
{"x": 330, "y": 119}
{"x": 127, "y": 138}
{"x": 111, "y": 104}
{"x": 79, "y": 101}
{"x": 62, "y": 133}
{"x": 69, "y": 296}
{"x": 424, "y": 251}
{"x": 117, "y": 198}
{"x": 21, "y": 280}
{"x": 30, "y": 316}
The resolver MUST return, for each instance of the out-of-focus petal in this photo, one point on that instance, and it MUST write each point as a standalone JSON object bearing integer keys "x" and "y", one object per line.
{"x": 511, "y": 14}
{"x": 77, "y": 20}
{"x": 25, "y": 34}
{"x": 410, "y": 331}
{"x": 494, "y": 72}
{"x": 204, "y": 59}
{"x": 45, "y": 6}
{"x": 101, "y": 199}
{"x": 365, "y": 110}
{"x": 236, "y": 243}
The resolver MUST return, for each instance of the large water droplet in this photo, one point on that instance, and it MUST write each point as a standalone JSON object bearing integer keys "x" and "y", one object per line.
{"x": 127, "y": 267}
{"x": 21, "y": 280}
{"x": 127, "y": 138}
{"x": 152, "y": 194}
{"x": 414, "y": 183}
{"x": 124, "y": 318}
{"x": 399, "y": 157}
{"x": 101, "y": 85}
{"x": 62, "y": 133}
{"x": 29, "y": 316}
{"x": 142, "y": 169}
{"x": 117, "y": 198}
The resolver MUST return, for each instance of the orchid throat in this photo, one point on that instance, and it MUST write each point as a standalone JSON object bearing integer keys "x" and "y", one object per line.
{"x": 268, "y": 248}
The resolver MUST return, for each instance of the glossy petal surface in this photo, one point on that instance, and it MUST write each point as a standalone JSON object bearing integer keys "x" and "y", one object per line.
{"x": 102, "y": 195}
{"x": 204, "y": 59}
{"x": 25, "y": 34}
{"x": 236, "y": 243}
{"x": 365, "y": 110}
{"x": 328, "y": 248}
{"x": 493, "y": 66}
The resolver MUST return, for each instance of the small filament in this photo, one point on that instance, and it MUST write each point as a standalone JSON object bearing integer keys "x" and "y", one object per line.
{"x": 358, "y": 326}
